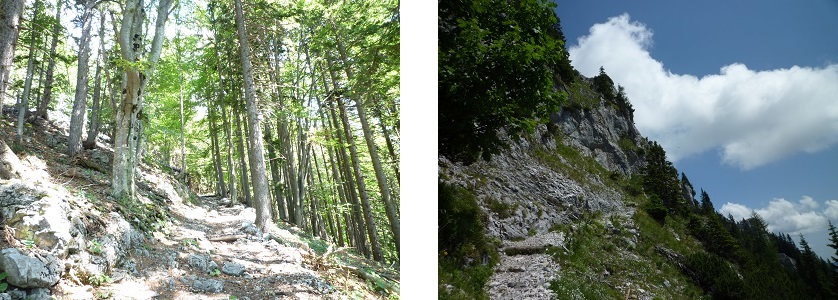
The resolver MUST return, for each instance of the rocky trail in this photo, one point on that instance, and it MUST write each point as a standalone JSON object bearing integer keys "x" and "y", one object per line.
{"x": 64, "y": 237}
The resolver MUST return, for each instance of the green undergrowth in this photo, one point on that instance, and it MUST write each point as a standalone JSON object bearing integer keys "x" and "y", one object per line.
{"x": 576, "y": 166}
{"x": 581, "y": 96}
{"x": 466, "y": 255}
{"x": 147, "y": 217}
{"x": 597, "y": 259}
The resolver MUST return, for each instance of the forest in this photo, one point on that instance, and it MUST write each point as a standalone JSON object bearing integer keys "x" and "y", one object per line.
{"x": 289, "y": 107}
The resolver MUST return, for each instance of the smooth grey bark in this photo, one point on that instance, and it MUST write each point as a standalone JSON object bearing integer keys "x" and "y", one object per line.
{"x": 93, "y": 129}
{"x": 47, "y": 96}
{"x": 127, "y": 143}
{"x": 10, "y": 15}
{"x": 77, "y": 117}
{"x": 254, "y": 117}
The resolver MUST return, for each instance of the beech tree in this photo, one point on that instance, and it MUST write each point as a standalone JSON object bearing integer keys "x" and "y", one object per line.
{"x": 138, "y": 69}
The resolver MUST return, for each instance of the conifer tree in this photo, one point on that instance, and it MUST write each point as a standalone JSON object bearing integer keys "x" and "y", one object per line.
{"x": 833, "y": 240}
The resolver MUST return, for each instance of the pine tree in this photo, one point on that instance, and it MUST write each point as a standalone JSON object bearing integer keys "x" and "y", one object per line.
{"x": 833, "y": 240}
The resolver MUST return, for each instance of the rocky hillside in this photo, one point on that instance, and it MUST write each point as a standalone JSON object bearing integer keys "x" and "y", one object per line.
{"x": 559, "y": 210}
{"x": 64, "y": 237}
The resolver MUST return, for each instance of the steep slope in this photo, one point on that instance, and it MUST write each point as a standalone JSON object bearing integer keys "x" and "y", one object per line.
{"x": 560, "y": 208}
{"x": 65, "y": 237}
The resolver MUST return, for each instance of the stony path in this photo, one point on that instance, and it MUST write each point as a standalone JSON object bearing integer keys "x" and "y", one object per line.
{"x": 185, "y": 264}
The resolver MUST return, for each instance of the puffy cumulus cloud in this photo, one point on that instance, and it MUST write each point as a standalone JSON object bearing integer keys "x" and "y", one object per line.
{"x": 753, "y": 117}
{"x": 782, "y": 215}
{"x": 735, "y": 210}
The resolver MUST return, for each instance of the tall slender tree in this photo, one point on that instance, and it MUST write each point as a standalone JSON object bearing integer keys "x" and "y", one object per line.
{"x": 77, "y": 117}
{"x": 10, "y": 15}
{"x": 257, "y": 158}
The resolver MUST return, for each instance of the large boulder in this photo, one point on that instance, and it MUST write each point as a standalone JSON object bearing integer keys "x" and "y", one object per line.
{"x": 29, "y": 271}
{"x": 37, "y": 215}
{"x": 45, "y": 222}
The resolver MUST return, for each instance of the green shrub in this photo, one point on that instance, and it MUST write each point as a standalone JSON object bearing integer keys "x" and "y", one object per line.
{"x": 656, "y": 209}
{"x": 503, "y": 210}
{"x": 715, "y": 276}
{"x": 466, "y": 254}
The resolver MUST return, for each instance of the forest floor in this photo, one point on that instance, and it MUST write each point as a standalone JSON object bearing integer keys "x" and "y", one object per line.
{"x": 183, "y": 257}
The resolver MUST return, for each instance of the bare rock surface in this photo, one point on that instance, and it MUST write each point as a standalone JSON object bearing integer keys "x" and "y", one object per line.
{"x": 29, "y": 270}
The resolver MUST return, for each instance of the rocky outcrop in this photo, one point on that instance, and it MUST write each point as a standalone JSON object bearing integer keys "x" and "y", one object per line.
{"x": 10, "y": 165}
{"x": 29, "y": 270}
{"x": 605, "y": 133}
{"x": 37, "y": 215}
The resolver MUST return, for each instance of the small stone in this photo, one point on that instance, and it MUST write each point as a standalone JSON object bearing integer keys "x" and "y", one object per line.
{"x": 232, "y": 269}
{"x": 202, "y": 262}
{"x": 666, "y": 283}
{"x": 207, "y": 285}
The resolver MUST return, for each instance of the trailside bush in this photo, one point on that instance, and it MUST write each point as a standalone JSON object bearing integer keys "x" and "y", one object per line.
{"x": 655, "y": 209}
{"x": 715, "y": 276}
{"x": 466, "y": 255}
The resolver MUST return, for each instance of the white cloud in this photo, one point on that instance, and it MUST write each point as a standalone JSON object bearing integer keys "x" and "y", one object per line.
{"x": 737, "y": 211}
{"x": 753, "y": 117}
{"x": 782, "y": 215}
{"x": 831, "y": 210}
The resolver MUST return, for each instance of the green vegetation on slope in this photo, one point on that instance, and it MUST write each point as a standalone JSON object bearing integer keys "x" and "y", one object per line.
{"x": 466, "y": 254}
{"x": 498, "y": 62}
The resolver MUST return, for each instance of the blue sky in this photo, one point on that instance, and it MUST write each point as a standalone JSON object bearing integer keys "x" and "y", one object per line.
{"x": 743, "y": 97}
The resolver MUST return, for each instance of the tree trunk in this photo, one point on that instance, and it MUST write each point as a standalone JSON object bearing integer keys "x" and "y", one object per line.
{"x": 129, "y": 114}
{"x": 245, "y": 191}
{"x": 277, "y": 181}
{"x": 257, "y": 158}
{"x": 389, "y": 206}
{"x": 93, "y": 129}
{"x": 355, "y": 222}
{"x": 80, "y": 104}
{"x": 221, "y": 187}
{"x": 291, "y": 174}
{"x": 23, "y": 109}
{"x": 46, "y": 97}
{"x": 10, "y": 15}
{"x": 389, "y": 143}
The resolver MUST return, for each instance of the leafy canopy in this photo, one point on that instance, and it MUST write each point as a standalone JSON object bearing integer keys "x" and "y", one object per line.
{"x": 497, "y": 66}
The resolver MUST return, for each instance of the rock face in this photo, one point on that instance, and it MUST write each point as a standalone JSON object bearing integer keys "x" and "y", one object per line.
{"x": 10, "y": 165}
{"x": 37, "y": 216}
{"x": 604, "y": 133}
{"x": 35, "y": 271}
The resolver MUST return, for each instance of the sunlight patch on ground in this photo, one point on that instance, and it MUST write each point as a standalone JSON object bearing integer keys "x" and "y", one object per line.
{"x": 131, "y": 290}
